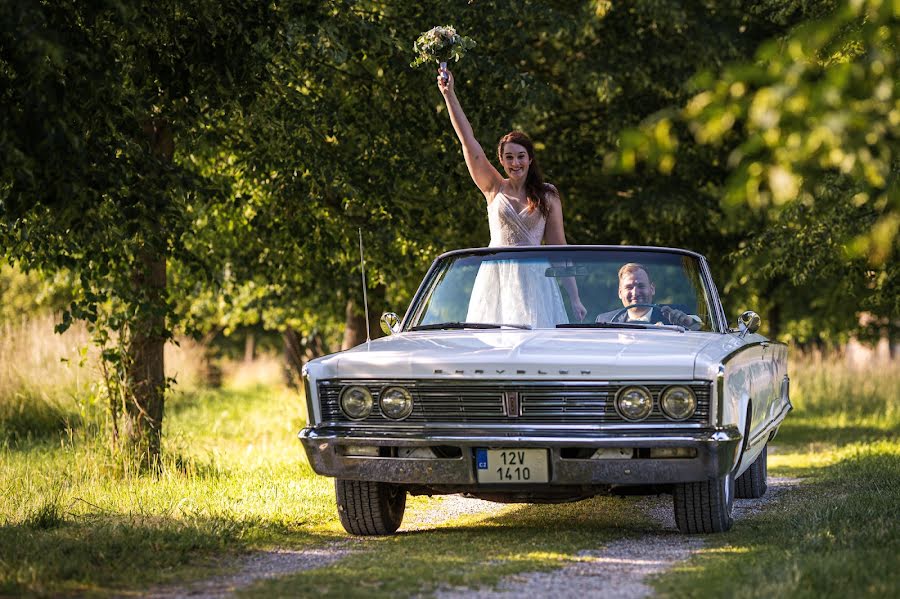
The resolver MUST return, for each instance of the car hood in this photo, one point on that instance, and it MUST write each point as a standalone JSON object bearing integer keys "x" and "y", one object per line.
{"x": 545, "y": 353}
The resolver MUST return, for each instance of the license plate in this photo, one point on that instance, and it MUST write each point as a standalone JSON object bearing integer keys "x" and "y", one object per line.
{"x": 512, "y": 465}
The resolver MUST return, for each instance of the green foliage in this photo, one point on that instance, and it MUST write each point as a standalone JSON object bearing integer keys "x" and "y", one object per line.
{"x": 290, "y": 126}
{"x": 807, "y": 131}
{"x": 31, "y": 294}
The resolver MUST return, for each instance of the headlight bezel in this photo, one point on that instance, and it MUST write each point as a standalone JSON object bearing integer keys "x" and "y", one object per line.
{"x": 407, "y": 395}
{"x": 370, "y": 401}
{"x": 672, "y": 389}
{"x": 644, "y": 392}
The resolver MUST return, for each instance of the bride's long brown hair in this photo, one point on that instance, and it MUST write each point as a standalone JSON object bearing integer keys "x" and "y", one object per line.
{"x": 535, "y": 189}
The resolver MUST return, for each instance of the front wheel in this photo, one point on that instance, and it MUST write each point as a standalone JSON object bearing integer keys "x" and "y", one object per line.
{"x": 369, "y": 508}
{"x": 752, "y": 484}
{"x": 705, "y": 507}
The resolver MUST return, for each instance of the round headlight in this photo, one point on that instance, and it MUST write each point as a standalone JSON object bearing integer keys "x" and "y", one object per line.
{"x": 356, "y": 402}
{"x": 396, "y": 403}
{"x": 678, "y": 402}
{"x": 634, "y": 403}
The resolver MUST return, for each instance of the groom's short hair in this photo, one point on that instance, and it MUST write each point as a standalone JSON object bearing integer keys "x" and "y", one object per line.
{"x": 632, "y": 267}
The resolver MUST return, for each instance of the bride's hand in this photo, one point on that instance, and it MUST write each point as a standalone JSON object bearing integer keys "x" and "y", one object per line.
{"x": 446, "y": 87}
{"x": 579, "y": 310}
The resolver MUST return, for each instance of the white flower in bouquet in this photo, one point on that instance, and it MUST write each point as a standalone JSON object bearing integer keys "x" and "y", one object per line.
{"x": 440, "y": 45}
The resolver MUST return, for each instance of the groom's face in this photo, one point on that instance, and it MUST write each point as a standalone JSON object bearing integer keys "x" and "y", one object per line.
{"x": 635, "y": 288}
{"x": 515, "y": 160}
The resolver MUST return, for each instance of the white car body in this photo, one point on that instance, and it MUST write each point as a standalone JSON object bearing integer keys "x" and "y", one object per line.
{"x": 551, "y": 390}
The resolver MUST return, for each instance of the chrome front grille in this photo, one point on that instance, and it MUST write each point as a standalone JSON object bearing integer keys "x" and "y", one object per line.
{"x": 483, "y": 402}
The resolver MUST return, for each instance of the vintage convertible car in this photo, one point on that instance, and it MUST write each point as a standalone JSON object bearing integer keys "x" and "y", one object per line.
{"x": 529, "y": 410}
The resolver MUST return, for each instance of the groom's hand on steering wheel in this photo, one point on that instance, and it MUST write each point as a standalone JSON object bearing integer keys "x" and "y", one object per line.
{"x": 677, "y": 317}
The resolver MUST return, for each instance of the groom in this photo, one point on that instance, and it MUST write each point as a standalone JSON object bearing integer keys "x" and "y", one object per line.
{"x": 635, "y": 287}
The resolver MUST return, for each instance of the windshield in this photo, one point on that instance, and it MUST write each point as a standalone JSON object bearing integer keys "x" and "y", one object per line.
{"x": 554, "y": 288}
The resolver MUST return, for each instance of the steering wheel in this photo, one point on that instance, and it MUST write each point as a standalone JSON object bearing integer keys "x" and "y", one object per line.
{"x": 626, "y": 308}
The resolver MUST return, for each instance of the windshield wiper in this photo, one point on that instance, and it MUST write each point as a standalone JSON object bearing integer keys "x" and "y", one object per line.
{"x": 604, "y": 325}
{"x": 619, "y": 325}
{"x": 467, "y": 325}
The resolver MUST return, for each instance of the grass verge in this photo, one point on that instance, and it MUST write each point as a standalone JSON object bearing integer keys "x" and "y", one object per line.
{"x": 838, "y": 533}
{"x": 74, "y": 520}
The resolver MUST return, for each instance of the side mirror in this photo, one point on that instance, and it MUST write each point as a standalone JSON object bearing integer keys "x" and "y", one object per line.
{"x": 748, "y": 322}
{"x": 390, "y": 323}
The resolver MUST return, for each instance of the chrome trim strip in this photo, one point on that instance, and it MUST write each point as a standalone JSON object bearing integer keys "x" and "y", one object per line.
{"x": 717, "y": 312}
{"x": 511, "y": 382}
{"x": 732, "y": 354}
{"x": 716, "y": 404}
{"x": 516, "y": 426}
{"x": 774, "y": 423}
{"x": 474, "y": 440}
{"x": 525, "y": 248}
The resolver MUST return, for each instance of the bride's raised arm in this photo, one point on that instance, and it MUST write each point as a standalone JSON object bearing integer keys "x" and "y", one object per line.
{"x": 483, "y": 172}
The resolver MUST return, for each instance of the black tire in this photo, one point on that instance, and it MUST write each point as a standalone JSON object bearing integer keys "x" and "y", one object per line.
{"x": 369, "y": 508}
{"x": 705, "y": 507}
{"x": 752, "y": 484}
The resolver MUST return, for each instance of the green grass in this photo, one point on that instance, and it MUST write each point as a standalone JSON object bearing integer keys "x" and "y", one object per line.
{"x": 44, "y": 386}
{"x": 77, "y": 519}
{"x": 838, "y": 533}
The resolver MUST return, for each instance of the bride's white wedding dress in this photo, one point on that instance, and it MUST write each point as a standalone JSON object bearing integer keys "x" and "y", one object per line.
{"x": 508, "y": 292}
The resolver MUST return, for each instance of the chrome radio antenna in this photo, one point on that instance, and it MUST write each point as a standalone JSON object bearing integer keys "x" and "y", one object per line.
{"x": 362, "y": 268}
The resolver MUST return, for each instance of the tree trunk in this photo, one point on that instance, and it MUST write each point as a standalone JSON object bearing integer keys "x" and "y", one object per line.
{"x": 298, "y": 351}
{"x": 145, "y": 403}
{"x": 146, "y": 372}
{"x": 293, "y": 357}
{"x": 354, "y": 326}
{"x": 355, "y": 323}
{"x": 249, "y": 347}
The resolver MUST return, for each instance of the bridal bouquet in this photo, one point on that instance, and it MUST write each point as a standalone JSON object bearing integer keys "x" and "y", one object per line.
{"x": 439, "y": 45}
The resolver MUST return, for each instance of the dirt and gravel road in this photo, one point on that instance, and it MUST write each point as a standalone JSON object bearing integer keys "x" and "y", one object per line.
{"x": 617, "y": 570}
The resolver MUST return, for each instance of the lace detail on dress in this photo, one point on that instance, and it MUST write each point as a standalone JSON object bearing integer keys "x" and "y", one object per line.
{"x": 509, "y": 227}
{"x": 515, "y": 292}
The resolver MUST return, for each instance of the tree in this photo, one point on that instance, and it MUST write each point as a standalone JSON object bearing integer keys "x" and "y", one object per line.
{"x": 808, "y": 132}
{"x": 208, "y": 164}
{"x": 104, "y": 105}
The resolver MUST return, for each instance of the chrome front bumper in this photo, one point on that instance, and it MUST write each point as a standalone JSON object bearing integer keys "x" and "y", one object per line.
{"x": 716, "y": 455}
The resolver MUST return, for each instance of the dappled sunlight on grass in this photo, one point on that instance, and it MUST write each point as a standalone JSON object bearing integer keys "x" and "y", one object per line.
{"x": 799, "y": 463}
{"x": 472, "y": 550}
{"x": 233, "y": 478}
{"x": 835, "y": 535}
{"x": 813, "y": 457}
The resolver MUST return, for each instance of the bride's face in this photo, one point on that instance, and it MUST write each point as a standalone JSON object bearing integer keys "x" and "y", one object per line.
{"x": 515, "y": 161}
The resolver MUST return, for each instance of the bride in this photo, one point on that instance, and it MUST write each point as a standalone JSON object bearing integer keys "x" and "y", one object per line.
{"x": 522, "y": 210}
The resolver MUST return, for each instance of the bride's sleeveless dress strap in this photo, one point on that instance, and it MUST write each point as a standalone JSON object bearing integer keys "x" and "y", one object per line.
{"x": 510, "y": 227}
